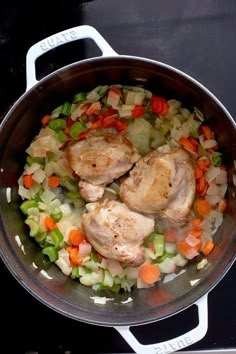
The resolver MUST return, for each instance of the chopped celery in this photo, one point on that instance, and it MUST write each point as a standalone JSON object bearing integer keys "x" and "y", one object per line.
{"x": 81, "y": 96}
{"x": 75, "y": 273}
{"x": 108, "y": 279}
{"x": 149, "y": 239}
{"x": 57, "y": 216}
{"x": 33, "y": 225}
{"x": 103, "y": 91}
{"x": 194, "y": 128}
{"x": 28, "y": 204}
{"x": 51, "y": 252}
{"x": 77, "y": 128}
{"x": 57, "y": 124}
{"x": 69, "y": 184}
{"x": 94, "y": 257}
{"x": 158, "y": 243}
{"x": 37, "y": 196}
{"x": 66, "y": 109}
{"x": 61, "y": 136}
{"x": 164, "y": 129}
{"x": 165, "y": 256}
{"x": 151, "y": 117}
{"x": 73, "y": 195}
{"x": 41, "y": 237}
{"x": 217, "y": 160}
{"x": 56, "y": 237}
{"x": 30, "y": 160}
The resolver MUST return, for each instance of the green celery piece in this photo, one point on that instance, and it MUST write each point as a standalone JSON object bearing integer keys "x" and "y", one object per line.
{"x": 77, "y": 128}
{"x": 151, "y": 117}
{"x": 33, "y": 225}
{"x": 159, "y": 242}
{"x": 73, "y": 195}
{"x": 57, "y": 217}
{"x": 27, "y": 204}
{"x": 51, "y": 252}
{"x": 103, "y": 90}
{"x": 217, "y": 160}
{"x": 94, "y": 257}
{"x": 66, "y": 109}
{"x": 75, "y": 273}
{"x": 30, "y": 160}
{"x": 81, "y": 96}
{"x": 56, "y": 237}
{"x": 194, "y": 129}
{"x": 41, "y": 237}
{"x": 69, "y": 184}
{"x": 57, "y": 124}
{"x": 149, "y": 239}
{"x": 164, "y": 129}
{"x": 37, "y": 196}
{"x": 61, "y": 136}
{"x": 165, "y": 256}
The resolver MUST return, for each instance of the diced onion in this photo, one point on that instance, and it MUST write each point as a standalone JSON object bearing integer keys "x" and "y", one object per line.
{"x": 39, "y": 176}
{"x": 212, "y": 173}
{"x": 221, "y": 177}
{"x": 213, "y": 199}
{"x": 223, "y": 189}
{"x": 84, "y": 249}
{"x": 209, "y": 144}
{"x": 213, "y": 189}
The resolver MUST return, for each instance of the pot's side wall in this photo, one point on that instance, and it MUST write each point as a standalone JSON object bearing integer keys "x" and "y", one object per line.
{"x": 61, "y": 293}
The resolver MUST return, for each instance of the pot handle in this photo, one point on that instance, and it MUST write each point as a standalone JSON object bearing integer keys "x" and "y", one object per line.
{"x": 60, "y": 38}
{"x": 174, "y": 344}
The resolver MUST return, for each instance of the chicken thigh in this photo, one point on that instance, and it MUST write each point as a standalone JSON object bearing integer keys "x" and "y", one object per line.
{"x": 163, "y": 184}
{"x": 117, "y": 232}
{"x": 99, "y": 160}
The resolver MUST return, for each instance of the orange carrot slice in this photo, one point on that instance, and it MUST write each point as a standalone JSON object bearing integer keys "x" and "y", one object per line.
{"x": 149, "y": 273}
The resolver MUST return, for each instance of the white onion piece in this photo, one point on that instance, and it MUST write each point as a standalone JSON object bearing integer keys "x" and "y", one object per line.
{"x": 47, "y": 196}
{"x": 213, "y": 189}
{"x": 206, "y": 225}
{"x": 209, "y": 144}
{"x": 222, "y": 177}
{"x": 32, "y": 169}
{"x": 223, "y": 189}
{"x": 84, "y": 249}
{"x": 39, "y": 176}
{"x": 114, "y": 267}
{"x": 180, "y": 261}
{"x": 218, "y": 220}
{"x": 213, "y": 199}
{"x": 192, "y": 241}
{"x": 170, "y": 247}
{"x": 24, "y": 193}
{"x": 132, "y": 272}
{"x": 212, "y": 173}
{"x": 66, "y": 209}
{"x": 201, "y": 139}
{"x": 61, "y": 263}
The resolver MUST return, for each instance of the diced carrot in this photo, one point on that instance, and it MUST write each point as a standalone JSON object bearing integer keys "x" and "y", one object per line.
{"x": 196, "y": 222}
{"x": 222, "y": 205}
{"x": 170, "y": 234}
{"x": 193, "y": 141}
{"x": 28, "y": 181}
{"x": 207, "y": 132}
{"x": 74, "y": 256}
{"x": 204, "y": 191}
{"x": 187, "y": 145}
{"x": 188, "y": 251}
{"x": 49, "y": 223}
{"x": 195, "y": 233}
{"x": 138, "y": 111}
{"x": 94, "y": 108}
{"x": 203, "y": 207}
{"x": 201, "y": 184}
{"x": 203, "y": 163}
{"x": 198, "y": 172}
{"x": 53, "y": 181}
{"x": 76, "y": 237}
{"x": 96, "y": 124}
{"x": 208, "y": 247}
{"x": 149, "y": 273}
{"x": 45, "y": 119}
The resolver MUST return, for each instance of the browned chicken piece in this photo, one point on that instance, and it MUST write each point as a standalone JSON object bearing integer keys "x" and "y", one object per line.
{"x": 99, "y": 160}
{"x": 117, "y": 232}
{"x": 161, "y": 183}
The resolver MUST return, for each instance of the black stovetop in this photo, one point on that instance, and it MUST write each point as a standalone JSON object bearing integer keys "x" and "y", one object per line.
{"x": 195, "y": 36}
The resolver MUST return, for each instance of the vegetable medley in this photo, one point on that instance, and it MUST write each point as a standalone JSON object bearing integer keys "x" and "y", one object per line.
{"x": 52, "y": 201}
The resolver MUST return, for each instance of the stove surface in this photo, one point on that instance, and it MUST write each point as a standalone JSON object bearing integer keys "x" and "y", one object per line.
{"x": 196, "y": 37}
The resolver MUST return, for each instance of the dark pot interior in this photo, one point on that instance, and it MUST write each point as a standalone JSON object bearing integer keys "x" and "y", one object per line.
{"x": 61, "y": 293}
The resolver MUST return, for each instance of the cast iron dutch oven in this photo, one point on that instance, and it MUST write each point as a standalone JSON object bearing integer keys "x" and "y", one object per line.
{"x": 60, "y": 292}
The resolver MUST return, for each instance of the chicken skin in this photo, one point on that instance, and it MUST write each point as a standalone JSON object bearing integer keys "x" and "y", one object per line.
{"x": 163, "y": 184}
{"x": 98, "y": 160}
{"x": 117, "y": 232}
